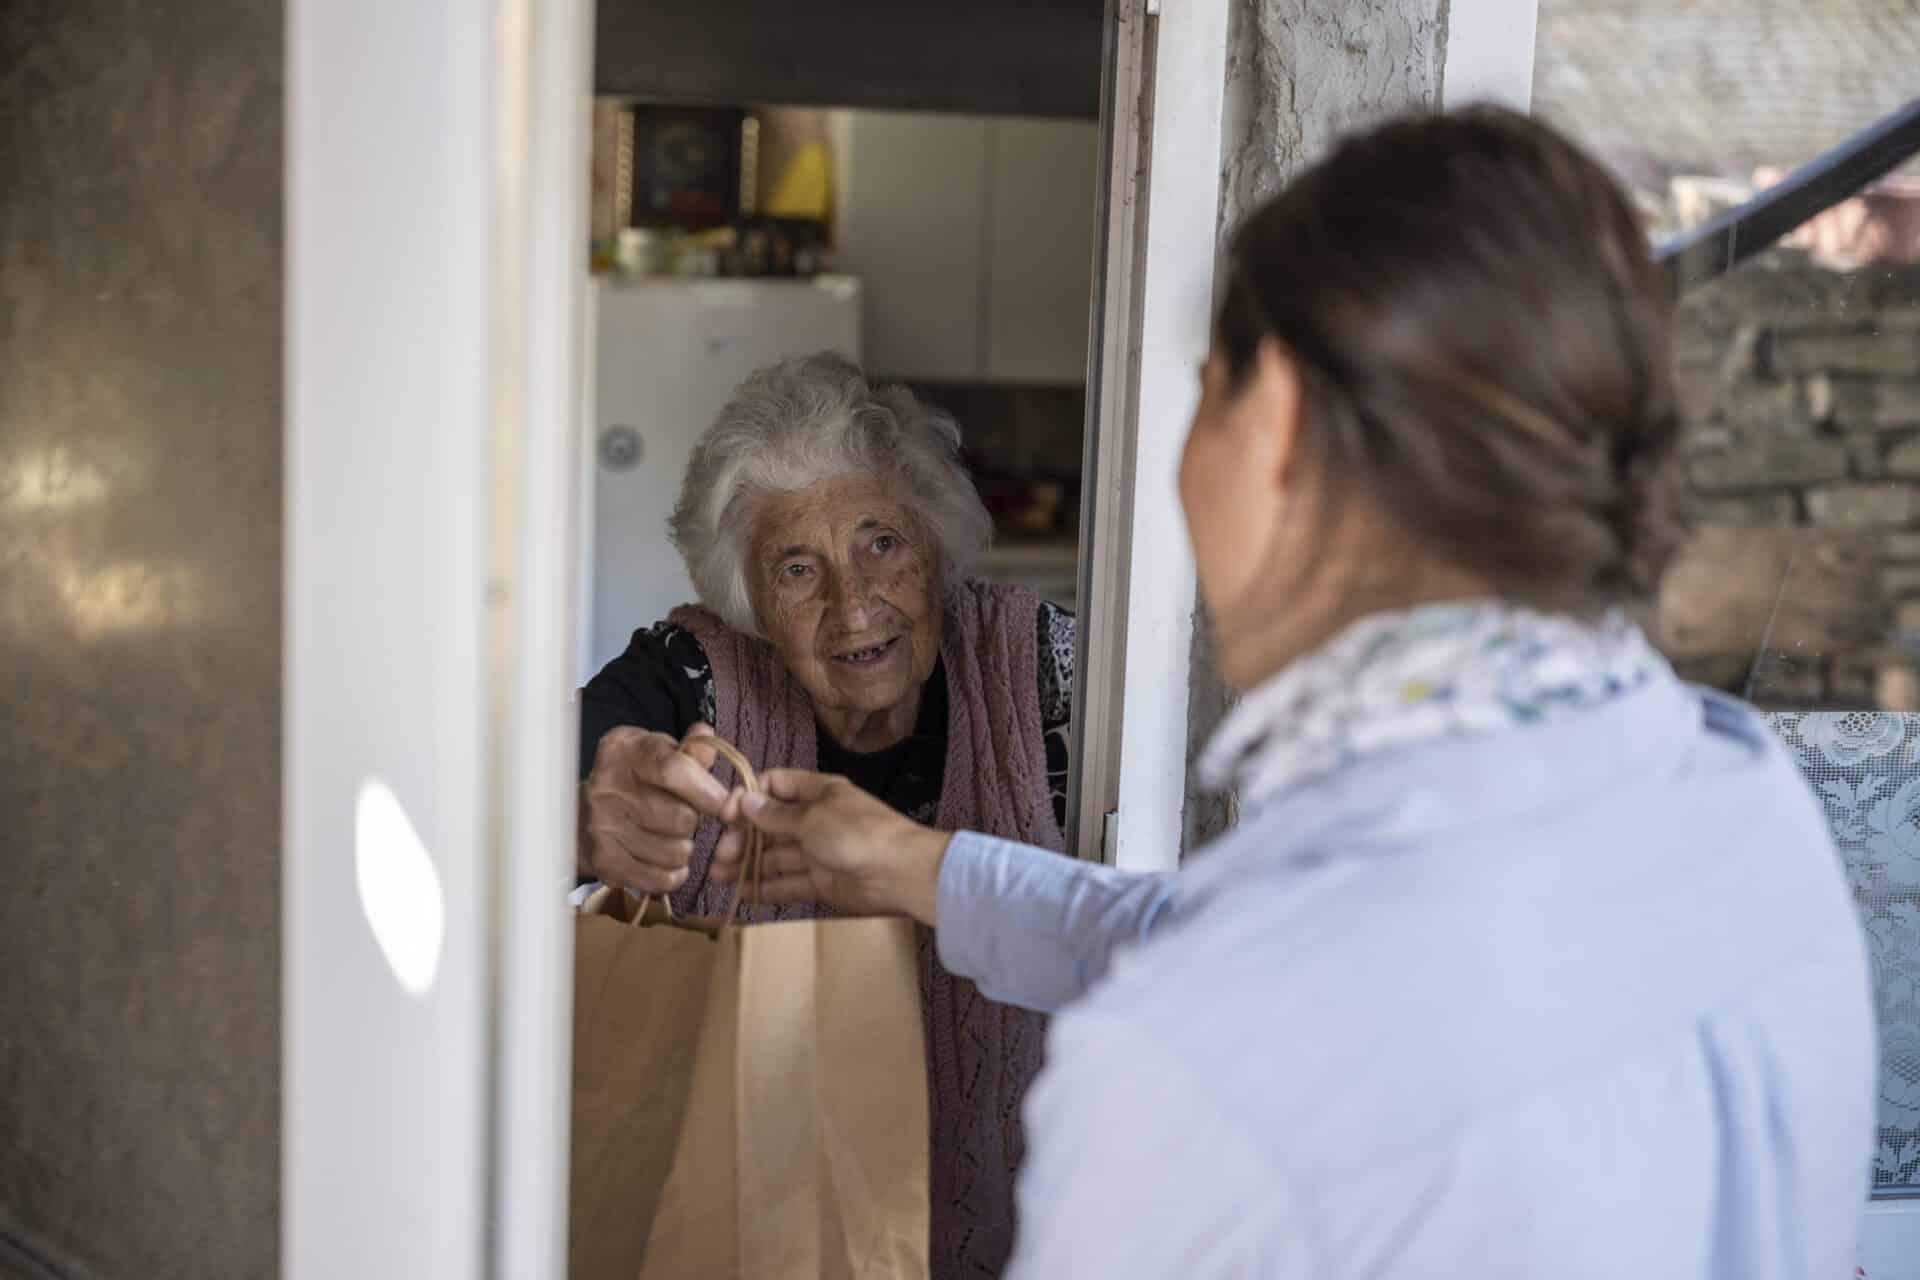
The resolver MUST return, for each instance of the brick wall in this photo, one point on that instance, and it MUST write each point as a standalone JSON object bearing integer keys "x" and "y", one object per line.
{"x": 1801, "y": 395}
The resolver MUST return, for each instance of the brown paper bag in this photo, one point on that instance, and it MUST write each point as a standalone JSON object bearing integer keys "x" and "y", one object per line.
{"x": 748, "y": 1101}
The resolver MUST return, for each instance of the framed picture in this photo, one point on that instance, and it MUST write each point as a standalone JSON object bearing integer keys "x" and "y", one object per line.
{"x": 686, "y": 166}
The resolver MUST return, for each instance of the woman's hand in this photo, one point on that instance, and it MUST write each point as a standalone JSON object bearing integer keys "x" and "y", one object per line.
{"x": 640, "y": 805}
{"x": 828, "y": 841}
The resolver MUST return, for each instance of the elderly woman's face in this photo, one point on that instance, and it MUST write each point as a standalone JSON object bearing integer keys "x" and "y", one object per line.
{"x": 844, "y": 587}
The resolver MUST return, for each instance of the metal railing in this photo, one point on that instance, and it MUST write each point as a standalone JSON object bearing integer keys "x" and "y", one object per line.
{"x": 1712, "y": 249}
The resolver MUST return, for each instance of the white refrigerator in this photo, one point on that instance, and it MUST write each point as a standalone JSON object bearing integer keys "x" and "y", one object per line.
{"x": 667, "y": 353}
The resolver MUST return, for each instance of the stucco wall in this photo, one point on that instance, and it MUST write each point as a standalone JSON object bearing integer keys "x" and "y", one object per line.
{"x": 1300, "y": 73}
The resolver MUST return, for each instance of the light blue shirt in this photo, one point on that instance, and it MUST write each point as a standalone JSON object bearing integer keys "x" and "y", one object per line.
{"x": 1581, "y": 999}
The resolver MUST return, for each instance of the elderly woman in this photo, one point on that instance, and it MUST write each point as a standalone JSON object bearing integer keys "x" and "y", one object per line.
{"x": 829, "y": 527}
{"x": 1527, "y": 959}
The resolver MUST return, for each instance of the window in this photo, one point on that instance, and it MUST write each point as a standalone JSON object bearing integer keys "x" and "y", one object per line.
{"x": 1799, "y": 372}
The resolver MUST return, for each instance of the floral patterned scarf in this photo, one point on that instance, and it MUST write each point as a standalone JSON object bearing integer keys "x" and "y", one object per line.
{"x": 1399, "y": 679}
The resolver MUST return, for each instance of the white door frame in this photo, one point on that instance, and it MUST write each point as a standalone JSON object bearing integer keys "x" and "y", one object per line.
{"x": 1162, "y": 102}
{"x": 1489, "y": 53}
{"x": 436, "y": 187}
{"x": 1890, "y": 1240}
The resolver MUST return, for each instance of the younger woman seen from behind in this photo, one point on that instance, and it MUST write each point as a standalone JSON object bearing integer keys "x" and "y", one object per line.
{"x": 1526, "y": 958}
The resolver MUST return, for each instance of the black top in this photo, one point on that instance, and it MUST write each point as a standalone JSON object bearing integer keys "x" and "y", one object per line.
{"x": 664, "y": 682}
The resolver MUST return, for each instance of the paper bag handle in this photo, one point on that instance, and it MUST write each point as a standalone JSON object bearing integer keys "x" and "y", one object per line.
{"x": 752, "y": 858}
{"x": 596, "y": 901}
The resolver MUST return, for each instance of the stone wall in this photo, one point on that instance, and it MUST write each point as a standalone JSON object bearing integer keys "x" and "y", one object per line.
{"x": 1801, "y": 395}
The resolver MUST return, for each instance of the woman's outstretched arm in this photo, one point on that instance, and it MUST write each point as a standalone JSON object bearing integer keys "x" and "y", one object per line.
{"x": 1030, "y": 927}
{"x": 1033, "y": 928}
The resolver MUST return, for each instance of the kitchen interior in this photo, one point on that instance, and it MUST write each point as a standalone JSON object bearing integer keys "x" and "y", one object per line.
{"x": 951, "y": 252}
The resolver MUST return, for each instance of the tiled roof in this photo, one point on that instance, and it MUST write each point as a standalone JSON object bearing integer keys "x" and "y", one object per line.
{"x": 1722, "y": 86}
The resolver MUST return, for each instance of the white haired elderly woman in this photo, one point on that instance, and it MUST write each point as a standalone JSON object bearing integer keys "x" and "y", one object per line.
{"x": 829, "y": 527}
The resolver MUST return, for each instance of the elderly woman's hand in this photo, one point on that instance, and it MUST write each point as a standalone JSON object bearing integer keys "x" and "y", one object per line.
{"x": 828, "y": 841}
{"x": 640, "y": 805}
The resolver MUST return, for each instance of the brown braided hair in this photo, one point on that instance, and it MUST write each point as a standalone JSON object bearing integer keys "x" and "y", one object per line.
{"x": 1482, "y": 337}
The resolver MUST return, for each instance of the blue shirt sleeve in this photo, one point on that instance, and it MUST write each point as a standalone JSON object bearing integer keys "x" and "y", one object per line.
{"x": 1034, "y": 929}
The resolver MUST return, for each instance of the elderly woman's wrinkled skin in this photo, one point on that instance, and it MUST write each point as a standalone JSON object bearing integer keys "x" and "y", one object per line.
{"x": 844, "y": 587}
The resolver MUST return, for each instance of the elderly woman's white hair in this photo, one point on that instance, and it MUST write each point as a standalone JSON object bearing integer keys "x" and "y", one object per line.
{"x": 795, "y": 424}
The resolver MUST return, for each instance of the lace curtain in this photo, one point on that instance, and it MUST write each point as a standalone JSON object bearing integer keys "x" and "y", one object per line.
{"x": 1865, "y": 768}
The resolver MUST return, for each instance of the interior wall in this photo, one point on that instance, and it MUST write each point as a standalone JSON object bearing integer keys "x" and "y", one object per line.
{"x": 140, "y": 509}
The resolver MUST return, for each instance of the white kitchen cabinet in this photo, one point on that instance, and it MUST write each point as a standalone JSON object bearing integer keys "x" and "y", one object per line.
{"x": 911, "y": 225}
{"x": 1040, "y": 248}
{"x": 973, "y": 239}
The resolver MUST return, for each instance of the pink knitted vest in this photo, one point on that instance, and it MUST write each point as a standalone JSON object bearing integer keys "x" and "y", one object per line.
{"x": 981, "y": 1056}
